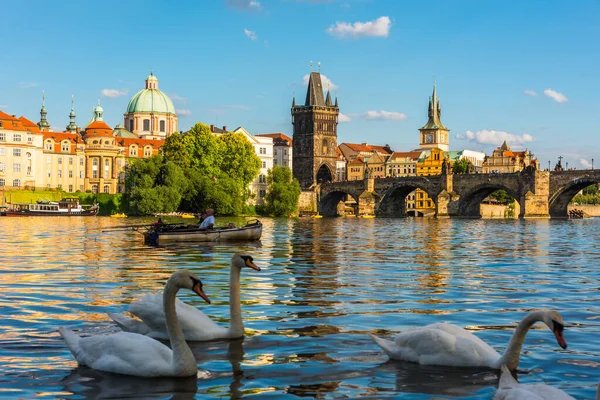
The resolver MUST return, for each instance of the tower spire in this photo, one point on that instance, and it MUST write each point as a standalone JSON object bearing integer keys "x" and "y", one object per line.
{"x": 43, "y": 124}
{"x": 72, "y": 127}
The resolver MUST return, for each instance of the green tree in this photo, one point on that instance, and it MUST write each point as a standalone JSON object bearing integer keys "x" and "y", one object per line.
{"x": 238, "y": 158}
{"x": 592, "y": 189}
{"x": 197, "y": 148}
{"x": 502, "y": 197}
{"x": 462, "y": 166}
{"x": 283, "y": 192}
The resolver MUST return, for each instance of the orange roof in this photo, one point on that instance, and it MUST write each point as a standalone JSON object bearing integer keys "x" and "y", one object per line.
{"x": 98, "y": 128}
{"x": 381, "y": 149}
{"x": 141, "y": 142}
{"x": 11, "y": 123}
{"x": 404, "y": 154}
{"x": 359, "y": 147}
{"x": 280, "y": 136}
{"x": 356, "y": 161}
{"x": 33, "y": 127}
{"x": 59, "y": 137}
{"x": 98, "y": 125}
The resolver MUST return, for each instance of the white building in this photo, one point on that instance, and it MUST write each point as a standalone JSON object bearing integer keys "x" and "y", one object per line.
{"x": 263, "y": 146}
{"x": 476, "y": 158}
{"x": 282, "y": 149}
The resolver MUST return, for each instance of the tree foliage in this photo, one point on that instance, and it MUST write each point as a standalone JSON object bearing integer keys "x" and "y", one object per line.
{"x": 463, "y": 166}
{"x": 502, "y": 197}
{"x": 283, "y": 192}
{"x": 197, "y": 170}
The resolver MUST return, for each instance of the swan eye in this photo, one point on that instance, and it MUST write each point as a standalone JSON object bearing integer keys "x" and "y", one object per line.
{"x": 557, "y": 326}
{"x": 195, "y": 282}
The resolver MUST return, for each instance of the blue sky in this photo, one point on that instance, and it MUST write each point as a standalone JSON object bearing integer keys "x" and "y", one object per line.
{"x": 522, "y": 70}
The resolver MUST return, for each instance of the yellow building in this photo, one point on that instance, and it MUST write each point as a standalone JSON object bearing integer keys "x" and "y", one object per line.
{"x": 356, "y": 169}
{"x": 376, "y": 165}
{"x": 504, "y": 160}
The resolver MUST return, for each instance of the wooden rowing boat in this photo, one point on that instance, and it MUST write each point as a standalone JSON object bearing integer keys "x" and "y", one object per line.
{"x": 160, "y": 234}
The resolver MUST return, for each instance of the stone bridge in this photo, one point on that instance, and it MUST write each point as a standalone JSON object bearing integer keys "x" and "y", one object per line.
{"x": 540, "y": 194}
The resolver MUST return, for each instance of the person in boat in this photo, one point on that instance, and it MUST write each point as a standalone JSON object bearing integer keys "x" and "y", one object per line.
{"x": 209, "y": 221}
{"x": 159, "y": 222}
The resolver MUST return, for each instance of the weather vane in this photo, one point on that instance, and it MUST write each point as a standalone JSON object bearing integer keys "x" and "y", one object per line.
{"x": 319, "y": 66}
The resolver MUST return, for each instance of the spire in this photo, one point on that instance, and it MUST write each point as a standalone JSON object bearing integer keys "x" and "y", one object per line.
{"x": 434, "y": 112}
{"x": 294, "y": 101}
{"x": 336, "y": 102}
{"x": 328, "y": 99}
{"x": 314, "y": 93}
{"x": 43, "y": 124}
{"x": 72, "y": 127}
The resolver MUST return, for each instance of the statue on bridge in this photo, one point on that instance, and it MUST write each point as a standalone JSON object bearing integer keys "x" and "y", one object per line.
{"x": 445, "y": 167}
{"x": 558, "y": 166}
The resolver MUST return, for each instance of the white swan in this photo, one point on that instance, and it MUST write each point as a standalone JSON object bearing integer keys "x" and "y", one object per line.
{"x": 196, "y": 325}
{"x": 133, "y": 354}
{"x": 450, "y": 345}
{"x": 510, "y": 389}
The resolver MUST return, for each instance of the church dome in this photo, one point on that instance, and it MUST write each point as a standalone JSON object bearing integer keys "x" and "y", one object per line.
{"x": 150, "y": 99}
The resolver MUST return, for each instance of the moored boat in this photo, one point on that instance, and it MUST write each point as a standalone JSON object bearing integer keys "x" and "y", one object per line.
{"x": 67, "y": 207}
{"x": 118, "y": 215}
{"x": 167, "y": 233}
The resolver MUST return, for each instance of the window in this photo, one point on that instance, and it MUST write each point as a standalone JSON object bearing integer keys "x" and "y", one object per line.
{"x": 49, "y": 173}
{"x": 2, "y": 181}
{"x": 133, "y": 151}
{"x": 29, "y": 139}
{"x": 81, "y": 174}
{"x": 16, "y": 138}
{"x": 65, "y": 146}
{"x": 262, "y": 193}
{"x": 131, "y": 125}
{"x": 162, "y": 126}
{"x": 81, "y": 188}
{"x": 49, "y": 145}
{"x": 60, "y": 173}
{"x": 94, "y": 163}
{"x": 81, "y": 161}
{"x": 59, "y": 160}
{"x": 325, "y": 147}
{"x": 95, "y": 174}
{"x": 263, "y": 150}
{"x": 275, "y": 152}
{"x": 262, "y": 178}
{"x": 16, "y": 182}
{"x": 70, "y": 188}
{"x": 16, "y": 168}
{"x": 147, "y": 152}
{"x": 264, "y": 164}
{"x": 2, "y": 136}
{"x": 106, "y": 189}
{"x": 70, "y": 160}
{"x": 94, "y": 188}
{"x": 70, "y": 173}
{"x": 146, "y": 124}
{"x": 16, "y": 152}
{"x": 106, "y": 168}
{"x": 2, "y": 168}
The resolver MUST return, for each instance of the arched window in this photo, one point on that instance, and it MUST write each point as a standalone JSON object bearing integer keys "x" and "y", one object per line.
{"x": 133, "y": 151}
{"x": 94, "y": 188}
{"x": 94, "y": 162}
{"x": 106, "y": 189}
{"x": 324, "y": 146}
{"x": 49, "y": 145}
{"x": 65, "y": 146}
{"x": 146, "y": 124}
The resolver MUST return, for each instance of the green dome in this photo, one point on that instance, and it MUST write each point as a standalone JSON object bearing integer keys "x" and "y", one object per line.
{"x": 150, "y": 99}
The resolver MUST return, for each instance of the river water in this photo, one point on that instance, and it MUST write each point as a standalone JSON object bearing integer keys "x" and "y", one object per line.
{"x": 324, "y": 284}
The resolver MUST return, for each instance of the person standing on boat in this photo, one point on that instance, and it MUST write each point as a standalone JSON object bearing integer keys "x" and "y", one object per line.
{"x": 209, "y": 221}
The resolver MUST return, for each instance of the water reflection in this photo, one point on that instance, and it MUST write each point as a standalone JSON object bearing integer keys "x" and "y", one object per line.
{"x": 324, "y": 284}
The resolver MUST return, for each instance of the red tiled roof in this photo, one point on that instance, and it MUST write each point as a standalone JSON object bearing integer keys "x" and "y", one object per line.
{"x": 404, "y": 154}
{"x": 58, "y": 138}
{"x": 280, "y": 136}
{"x": 29, "y": 124}
{"x": 11, "y": 123}
{"x": 356, "y": 161}
{"x": 359, "y": 147}
{"x": 381, "y": 149}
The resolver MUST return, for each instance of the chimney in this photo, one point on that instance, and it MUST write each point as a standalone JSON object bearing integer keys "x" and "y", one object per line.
{"x": 225, "y": 128}
{"x": 212, "y": 128}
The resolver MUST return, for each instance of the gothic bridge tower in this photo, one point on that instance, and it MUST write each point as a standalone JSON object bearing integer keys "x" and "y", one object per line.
{"x": 315, "y": 135}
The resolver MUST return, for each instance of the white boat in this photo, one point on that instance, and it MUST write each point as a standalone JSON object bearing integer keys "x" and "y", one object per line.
{"x": 67, "y": 207}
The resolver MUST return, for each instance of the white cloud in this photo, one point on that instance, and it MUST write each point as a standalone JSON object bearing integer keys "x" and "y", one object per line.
{"x": 378, "y": 28}
{"x": 530, "y": 93}
{"x": 27, "y": 85}
{"x": 113, "y": 92}
{"x": 383, "y": 115}
{"x": 585, "y": 163}
{"x": 250, "y": 34}
{"x": 344, "y": 118}
{"x": 325, "y": 81}
{"x": 556, "y": 96}
{"x": 239, "y": 107}
{"x": 176, "y": 97}
{"x": 3, "y": 106}
{"x": 244, "y": 5}
{"x": 183, "y": 112}
{"x": 495, "y": 137}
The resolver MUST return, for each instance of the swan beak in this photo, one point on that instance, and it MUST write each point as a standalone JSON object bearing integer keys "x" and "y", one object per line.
{"x": 250, "y": 264}
{"x": 198, "y": 290}
{"x": 558, "y": 332}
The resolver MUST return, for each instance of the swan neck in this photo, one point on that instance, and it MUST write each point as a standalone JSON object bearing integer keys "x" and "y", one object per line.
{"x": 236, "y": 326}
{"x": 513, "y": 350}
{"x": 183, "y": 358}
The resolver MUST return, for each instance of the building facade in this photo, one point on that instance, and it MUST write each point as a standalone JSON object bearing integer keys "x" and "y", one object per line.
{"x": 315, "y": 135}
{"x": 150, "y": 113}
{"x": 282, "y": 149}
{"x": 503, "y": 160}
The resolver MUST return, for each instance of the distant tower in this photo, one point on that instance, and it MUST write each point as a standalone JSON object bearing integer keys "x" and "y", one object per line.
{"x": 434, "y": 134}
{"x": 315, "y": 135}
{"x": 72, "y": 127}
{"x": 43, "y": 124}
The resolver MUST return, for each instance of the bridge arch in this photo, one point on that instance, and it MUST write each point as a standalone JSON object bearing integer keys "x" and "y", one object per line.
{"x": 324, "y": 174}
{"x": 469, "y": 204}
{"x": 559, "y": 201}
{"x": 328, "y": 204}
{"x": 393, "y": 201}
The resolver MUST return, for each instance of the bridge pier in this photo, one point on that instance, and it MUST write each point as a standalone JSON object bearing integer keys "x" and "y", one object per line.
{"x": 446, "y": 205}
{"x": 534, "y": 201}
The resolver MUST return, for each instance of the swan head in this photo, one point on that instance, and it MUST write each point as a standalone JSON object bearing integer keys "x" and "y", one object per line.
{"x": 184, "y": 279}
{"x": 555, "y": 322}
{"x": 241, "y": 260}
